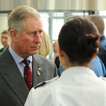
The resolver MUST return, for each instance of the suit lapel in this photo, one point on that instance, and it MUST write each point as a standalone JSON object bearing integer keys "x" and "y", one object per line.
{"x": 36, "y": 64}
{"x": 13, "y": 77}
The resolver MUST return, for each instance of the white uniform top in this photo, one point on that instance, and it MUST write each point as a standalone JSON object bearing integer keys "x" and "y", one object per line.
{"x": 77, "y": 86}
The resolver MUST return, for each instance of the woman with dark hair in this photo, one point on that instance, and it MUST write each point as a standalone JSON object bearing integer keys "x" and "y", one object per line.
{"x": 96, "y": 64}
{"x": 78, "y": 85}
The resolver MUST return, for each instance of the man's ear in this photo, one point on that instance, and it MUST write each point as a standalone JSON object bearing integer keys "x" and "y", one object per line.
{"x": 97, "y": 51}
{"x": 13, "y": 35}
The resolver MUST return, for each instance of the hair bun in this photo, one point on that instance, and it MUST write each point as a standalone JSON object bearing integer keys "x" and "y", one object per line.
{"x": 87, "y": 42}
{"x": 92, "y": 40}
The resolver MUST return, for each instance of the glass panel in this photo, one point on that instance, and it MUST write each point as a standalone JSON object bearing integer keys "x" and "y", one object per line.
{"x": 102, "y": 13}
{"x": 45, "y": 19}
{"x": 57, "y": 24}
{"x": 80, "y": 14}
{"x": 58, "y": 14}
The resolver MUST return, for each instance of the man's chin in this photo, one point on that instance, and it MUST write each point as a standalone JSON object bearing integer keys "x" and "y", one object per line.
{"x": 34, "y": 52}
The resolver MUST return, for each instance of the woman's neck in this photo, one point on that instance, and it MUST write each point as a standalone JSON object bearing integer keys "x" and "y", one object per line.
{"x": 66, "y": 66}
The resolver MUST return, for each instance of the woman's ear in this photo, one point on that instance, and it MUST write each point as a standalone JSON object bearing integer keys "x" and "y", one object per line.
{"x": 60, "y": 52}
{"x": 13, "y": 35}
{"x": 97, "y": 51}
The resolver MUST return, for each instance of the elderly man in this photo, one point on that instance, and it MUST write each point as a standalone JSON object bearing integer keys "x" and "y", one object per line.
{"x": 21, "y": 67}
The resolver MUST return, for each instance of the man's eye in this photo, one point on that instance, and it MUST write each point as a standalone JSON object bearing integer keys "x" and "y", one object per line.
{"x": 40, "y": 31}
{"x": 32, "y": 34}
{"x": 6, "y": 38}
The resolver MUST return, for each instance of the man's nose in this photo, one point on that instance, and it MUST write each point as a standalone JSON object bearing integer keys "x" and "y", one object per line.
{"x": 38, "y": 37}
{"x": 3, "y": 39}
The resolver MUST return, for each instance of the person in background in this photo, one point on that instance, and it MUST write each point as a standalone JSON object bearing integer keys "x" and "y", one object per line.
{"x": 5, "y": 40}
{"x": 78, "y": 85}
{"x": 99, "y": 22}
{"x": 21, "y": 67}
{"x": 55, "y": 49}
{"x": 45, "y": 48}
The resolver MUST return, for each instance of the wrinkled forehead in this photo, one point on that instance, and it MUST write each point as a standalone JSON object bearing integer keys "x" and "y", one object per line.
{"x": 33, "y": 24}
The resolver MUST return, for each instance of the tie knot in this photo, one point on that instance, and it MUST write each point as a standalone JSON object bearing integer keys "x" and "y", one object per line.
{"x": 25, "y": 61}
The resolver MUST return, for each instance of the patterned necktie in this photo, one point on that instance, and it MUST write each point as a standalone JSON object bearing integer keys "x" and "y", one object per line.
{"x": 27, "y": 74}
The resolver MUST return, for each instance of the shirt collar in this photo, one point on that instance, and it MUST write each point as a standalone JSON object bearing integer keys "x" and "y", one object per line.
{"x": 16, "y": 57}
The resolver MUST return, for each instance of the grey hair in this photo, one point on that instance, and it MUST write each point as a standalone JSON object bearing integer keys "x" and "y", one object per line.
{"x": 17, "y": 16}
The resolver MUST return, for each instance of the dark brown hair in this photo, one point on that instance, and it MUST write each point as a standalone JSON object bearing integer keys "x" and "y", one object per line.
{"x": 79, "y": 39}
{"x": 4, "y": 32}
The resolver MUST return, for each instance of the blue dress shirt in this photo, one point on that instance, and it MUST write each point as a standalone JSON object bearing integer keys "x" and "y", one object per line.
{"x": 98, "y": 67}
{"x": 102, "y": 50}
{"x": 19, "y": 60}
{"x": 103, "y": 42}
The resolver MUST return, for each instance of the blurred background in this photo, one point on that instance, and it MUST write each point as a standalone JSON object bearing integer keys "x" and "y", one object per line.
{"x": 54, "y": 13}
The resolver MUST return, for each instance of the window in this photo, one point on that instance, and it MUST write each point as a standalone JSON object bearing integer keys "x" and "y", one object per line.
{"x": 54, "y": 20}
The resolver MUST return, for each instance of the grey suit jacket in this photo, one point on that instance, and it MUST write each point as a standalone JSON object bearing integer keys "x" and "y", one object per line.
{"x": 13, "y": 89}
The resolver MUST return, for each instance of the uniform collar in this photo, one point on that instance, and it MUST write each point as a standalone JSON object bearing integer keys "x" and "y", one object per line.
{"x": 77, "y": 70}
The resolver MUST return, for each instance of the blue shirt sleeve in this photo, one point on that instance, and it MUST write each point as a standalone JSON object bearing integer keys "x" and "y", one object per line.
{"x": 98, "y": 67}
{"x": 61, "y": 69}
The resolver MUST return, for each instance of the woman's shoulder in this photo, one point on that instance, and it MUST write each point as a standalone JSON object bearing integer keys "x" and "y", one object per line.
{"x": 41, "y": 91}
{"x": 47, "y": 83}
